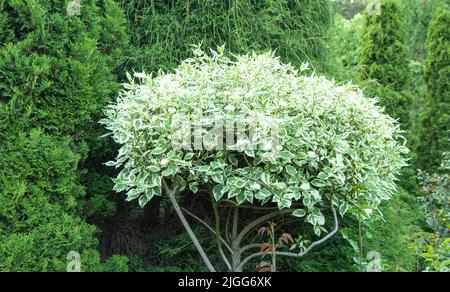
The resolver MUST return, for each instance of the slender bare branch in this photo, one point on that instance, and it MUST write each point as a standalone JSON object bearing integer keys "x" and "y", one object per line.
{"x": 301, "y": 254}
{"x": 236, "y": 256}
{"x": 173, "y": 200}
{"x": 227, "y": 235}
{"x": 249, "y": 246}
{"x": 206, "y": 225}
{"x": 218, "y": 237}
{"x": 259, "y": 221}
{"x": 235, "y": 223}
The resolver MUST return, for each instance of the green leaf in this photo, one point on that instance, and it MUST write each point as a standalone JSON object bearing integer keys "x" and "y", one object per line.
{"x": 317, "y": 230}
{"x": 315, "y": 195}
{"x": 286, "y": 155}
{"x": 249, "y": 196}
{"x": 217, "y": 192}
{"x": 233, "y": 192}
{"x": 204, "y": 168}
{"x": 219, "y": 164}
{"x": 130, "y": 79}
{"x": 255, "y": 186}
{"x": 218, "y": 178}
{"x": 193, "y": 186}
{"x": 239, "y": 183}
{"x": 153, "y": 168}
{"x": 296, "y": 142}
{"x": 157, "y": 191}
{"x": 233, "y": 160}
{"x": 343, "y": 208}
{"x": 264, "y": 177}
{"x": 110, "y": 163}
{"x": 157, "y": 151}
{"x": 305, "y": 186}
{"x": 138, "y": 124}
{"x": 149, "y": 193}
{"x": 301, "y": 156}
{"x": 315, "y": 217}
{"x": 132, "y": 194}
{"x": 322, "y": 175}
{"x": 240, "y": 198}
{"x": 319, "y": 183}
{"x": 263, "y": 194}
{"x": 143, "y": 200}
{"x": 249, "y": 153}
{"x": 171, "y": 170}
{"x": 155, "y": 181}
{"x": 291, "y": 170}
{"x": 299, "y": 213}
{"x": 307, "y": 200}
{"x": 120, "y": 187}
{"x": 189, "y": 156}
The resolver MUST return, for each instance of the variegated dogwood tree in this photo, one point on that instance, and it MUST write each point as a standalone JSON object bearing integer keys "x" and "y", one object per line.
{"x": 253, "y": 132}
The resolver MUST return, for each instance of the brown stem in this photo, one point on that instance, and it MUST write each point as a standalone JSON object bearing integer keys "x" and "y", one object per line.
{"x": 301, "y": 254}
{"x": 259, "y": 221}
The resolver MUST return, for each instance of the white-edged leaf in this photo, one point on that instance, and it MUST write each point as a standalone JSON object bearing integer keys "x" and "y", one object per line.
{"x": 299, "y": 213}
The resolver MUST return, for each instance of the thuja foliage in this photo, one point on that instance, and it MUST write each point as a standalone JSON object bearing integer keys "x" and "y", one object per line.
{"x": 384, "y": 65}
{"x": 435, "y": 118}
{"x": 345, "y": 47}
{"x": 56, "y": 68}
{"x": 55, "y": 75}
{"x": 39, "y": 189}
{"x": 335, "y": 146}
{"x": 384, "y": 56}
{"x": 383, "y": 59}
{"x": 418, "y": 16}
{"x": 162, "y": 31}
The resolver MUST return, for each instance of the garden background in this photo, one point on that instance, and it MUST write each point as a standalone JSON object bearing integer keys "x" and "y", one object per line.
{"x": 60, "y": 67}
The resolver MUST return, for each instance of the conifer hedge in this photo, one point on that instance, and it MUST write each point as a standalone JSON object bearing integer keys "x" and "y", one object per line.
{"x": 435, "y": 118}
{"x": 163, "y": 31}
{"x": 384, "y": 59}
{"x": 55, "y": 76}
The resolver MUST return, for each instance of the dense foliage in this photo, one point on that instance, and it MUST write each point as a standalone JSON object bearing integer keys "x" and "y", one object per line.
{"x": 333, "y": 144}
{"x": 164, "y": 31}
{"x": 55, "y": 75}
{"x": 384, "y": 58}
{"x": 38, "y": 203}
{"x": 62, "y": 61}
{"x": 435, "y": 198}
{"x": 435, "y": 118}
{"x": 54, "y": 72}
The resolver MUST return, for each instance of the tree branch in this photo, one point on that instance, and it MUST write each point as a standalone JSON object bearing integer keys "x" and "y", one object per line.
{"x": 259, "y": 221}
{"x": 235, "y": 223}
{"x": 306, "y": 251}
{"x": 173, "y": 200}
{"x": 218, "y": 237}
{"x": 227, "y": 234}
{"x": 206, "y": 225}
{"x": 249, "y": 246}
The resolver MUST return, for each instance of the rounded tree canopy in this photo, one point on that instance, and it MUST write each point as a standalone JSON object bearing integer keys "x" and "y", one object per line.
{"x": 253, "y": 130}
